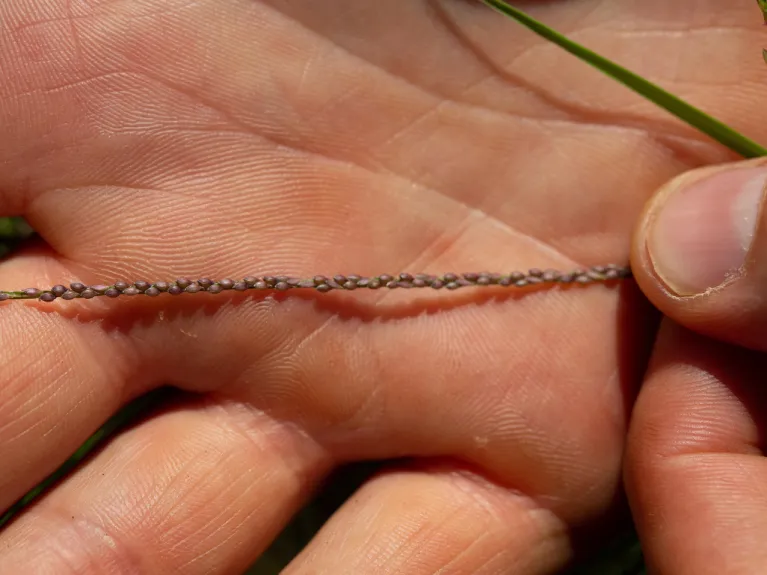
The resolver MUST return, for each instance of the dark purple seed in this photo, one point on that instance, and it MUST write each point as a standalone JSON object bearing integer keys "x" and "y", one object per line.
{"x": 215, "y": 288}
{"x": 374, "y": 283}
{"x": 323, "y": 288}
{"x": 405, "y": 277}
{"x": 32, "y": 292}
{"x": 249, "y": 280}
{"x": 192, "y": 288}
{"x": 226, "y": 283}
{"x": 472, "y": 277}
{"x": 175, "y": 290}
{"x": 282, "y": 286}
{"x": 121, "y": 286}
{"x": 260, "y": 285}
{"x": 319, "y": 280}
{"x": 99, "y": 288}
{"x": 483, "y": 281}
{"x": 350, "y": 285}
{"x": 583, "y": 279}
{"x": 270, "y": 280}
{"x": 520, "y": 283}
{"x": 58, "y": 290}
{"x": 354, "y": 278}
{"x": 516, "y": 276}
{"x": 281, "y": 279}
{"x": 450, "y": 277}
{"x": 4, "y": 296}
{"x": 505, "y": 281}
{"x": 69, "y": 294}
{"x": 437, "y": 284}
{"x": 204, "y": 283}
{"x": 339, "y": 279}
{"x": 550, "y": 275}
{"x": 296, "y": 282}
{"x": 601, "y": 270}
{"x": 306, "y": 284}
{"x": 463, "y": 283}
{"x": 392, "y": 284}
{"x": 425, "y": 277}
{"x": 88, "y": 294}
{"x": 162, "y": 286}
{"x": 363, "y": 282}
{"x": 152, "y": 291}
{"x": 419, "y": 283}
{"x": 566, "y": 278}
{"x": 112, "y": 292}
{"x": 534, "y": 280}
{"x": 535, "y": 272}
{"x": 240, "y": 286}
{"x": 141, "y": 286}
{"x": 47, "y": 297}
{"x": 612, "y": 274}
{"x": 131, "y": 291}
{"x": 405, "y": 284}
{"x": 333, "y": 284}
{"x": 452, "y": 285}
{"x": 385, "y": 278}
{"x": 183, "y": 283}
{"x": 77, "y": 287}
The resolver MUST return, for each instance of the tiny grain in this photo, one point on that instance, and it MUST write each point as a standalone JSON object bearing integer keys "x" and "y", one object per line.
{"x": 323, "y": 284}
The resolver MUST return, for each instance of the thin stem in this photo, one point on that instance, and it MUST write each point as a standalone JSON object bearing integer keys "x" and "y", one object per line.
{"x": 323, "y": 284}
{"x": 696, "y": 118}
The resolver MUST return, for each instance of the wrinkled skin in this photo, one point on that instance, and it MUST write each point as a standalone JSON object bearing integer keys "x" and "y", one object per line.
{"x": 151, "y": 139}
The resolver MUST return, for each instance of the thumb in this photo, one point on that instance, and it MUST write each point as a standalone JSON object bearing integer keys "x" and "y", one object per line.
{"x": 699, "y": 252}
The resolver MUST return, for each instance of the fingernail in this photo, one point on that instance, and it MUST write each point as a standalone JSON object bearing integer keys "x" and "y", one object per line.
{"x": 702, "y": 233}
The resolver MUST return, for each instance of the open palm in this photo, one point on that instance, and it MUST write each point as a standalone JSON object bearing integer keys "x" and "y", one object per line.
{"x": 151, "y": 139}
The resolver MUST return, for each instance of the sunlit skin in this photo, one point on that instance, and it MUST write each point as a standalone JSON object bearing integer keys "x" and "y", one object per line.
{"x": 149, "y": 139}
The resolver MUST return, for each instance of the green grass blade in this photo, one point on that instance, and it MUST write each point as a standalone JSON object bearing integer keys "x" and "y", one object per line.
{"x": 710, "y": 126}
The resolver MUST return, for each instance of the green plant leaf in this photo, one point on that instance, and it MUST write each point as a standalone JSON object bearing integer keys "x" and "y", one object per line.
{"x": 763, "y": 8}
{"x": 709, "y": 125}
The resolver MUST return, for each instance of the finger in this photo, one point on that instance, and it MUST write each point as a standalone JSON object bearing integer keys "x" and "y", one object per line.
{"x": 435, "y": 519}
{"x": 700, "y": 252}
{"x": 60, "y": 380}
{"x": 695, "y": 467}
{"x": 202, "y": 488}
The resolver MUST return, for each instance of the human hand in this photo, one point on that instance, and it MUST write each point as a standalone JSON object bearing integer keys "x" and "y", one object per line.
{"x": 695, "y": 462}
{"x": 150, "y": 140}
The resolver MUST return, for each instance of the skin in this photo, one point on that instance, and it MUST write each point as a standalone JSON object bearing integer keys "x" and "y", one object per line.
{"x": 156, "y": 139}
{"x": 695, "y": 468}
